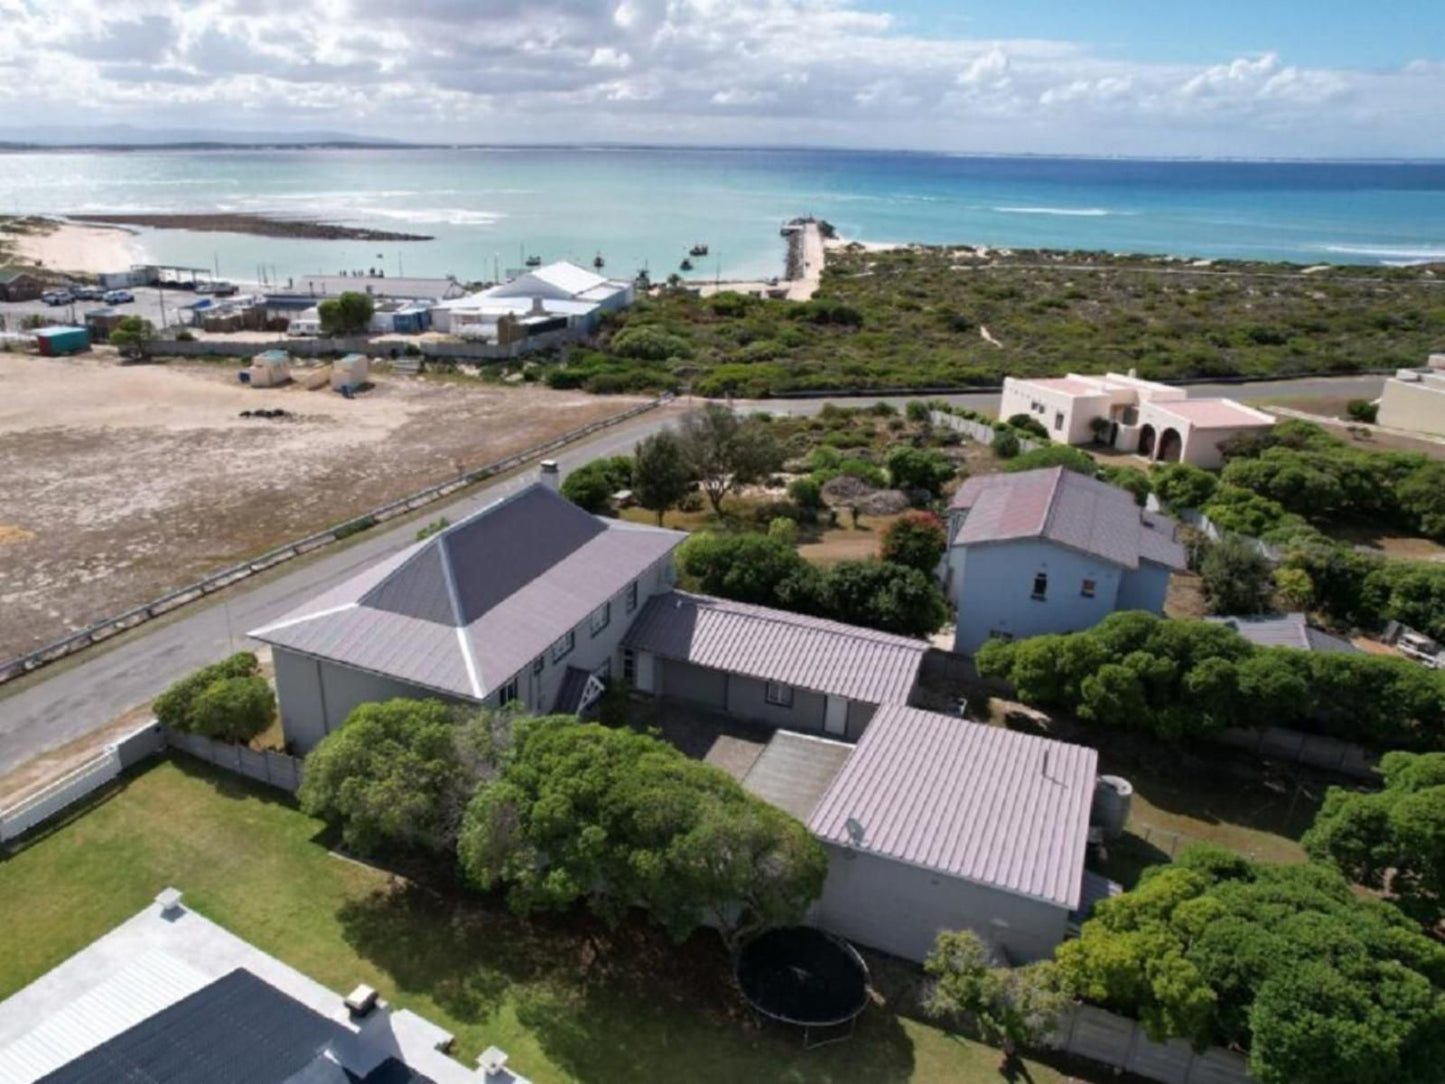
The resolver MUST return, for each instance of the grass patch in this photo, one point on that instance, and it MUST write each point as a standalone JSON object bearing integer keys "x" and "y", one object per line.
{"x": 566, "y": 997}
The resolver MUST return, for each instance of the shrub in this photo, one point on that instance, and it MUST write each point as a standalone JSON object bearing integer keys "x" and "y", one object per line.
{"x": 1363, "y": 410}
{"x": 915, "y": 540}
{"x": 233, "y": 709}
{"x": 650, "y": 344}
{"x": 879, "y": 595}
{"x": 353, "y": 527}
{"x": 1131, "y": 478}
{"x": 917, "y": 411}
{"x": 441, "y": 523}
{"x": 1237, "y": 577}
{"x": 1054, "y": 455}
{"x": 1005, "y": 445}
{"x": 917, "y": 469}
{"x": 349, "y": 313}
{"x": 173, "y": 708}
{"x": 1182, "y": 486}
{"x": 806, "y": 493}
{"x": 1028, "y": 424}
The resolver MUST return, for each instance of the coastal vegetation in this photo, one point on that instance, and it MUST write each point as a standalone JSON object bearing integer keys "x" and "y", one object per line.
{"x": 932, "y": 317}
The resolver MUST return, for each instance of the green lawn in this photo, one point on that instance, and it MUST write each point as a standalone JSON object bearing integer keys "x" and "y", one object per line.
{"x": 567, "y": 998}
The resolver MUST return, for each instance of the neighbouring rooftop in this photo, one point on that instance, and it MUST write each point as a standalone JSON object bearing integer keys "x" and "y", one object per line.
{"x": 1065, "y": 507}
{"x": 1215, "y": 413}
{"x": 775, "y": 645}
{"x": 1285, "y": 630}
{"x": 979, "y": 802}
{"x": 795, "y": 770}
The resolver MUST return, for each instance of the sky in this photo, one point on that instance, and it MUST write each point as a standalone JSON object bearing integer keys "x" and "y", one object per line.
{"x": 1226, "y": 78}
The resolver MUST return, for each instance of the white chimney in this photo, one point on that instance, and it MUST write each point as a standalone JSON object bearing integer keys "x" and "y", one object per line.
{"x": 491, "y": 1063}
{"x": 551, "y": 476}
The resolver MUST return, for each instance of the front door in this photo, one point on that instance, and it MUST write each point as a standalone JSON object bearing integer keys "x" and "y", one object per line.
{"x": 835, "y": 716}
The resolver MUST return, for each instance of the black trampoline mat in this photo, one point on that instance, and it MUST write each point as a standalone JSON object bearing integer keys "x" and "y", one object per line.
{"x": 803, "y": 976}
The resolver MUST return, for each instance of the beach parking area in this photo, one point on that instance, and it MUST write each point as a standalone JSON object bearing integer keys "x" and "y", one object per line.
{"x": 121, "y": 482}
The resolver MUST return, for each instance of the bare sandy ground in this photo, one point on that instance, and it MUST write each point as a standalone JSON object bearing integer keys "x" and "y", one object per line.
{"x": 89, "y": 249}
{"x": 121, "y": 483}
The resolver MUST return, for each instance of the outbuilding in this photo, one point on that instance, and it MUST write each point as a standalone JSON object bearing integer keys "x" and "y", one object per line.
{"x": 936, "y": 823}
{"x": 17, "y": 284}
{"x": 56, "y": 341}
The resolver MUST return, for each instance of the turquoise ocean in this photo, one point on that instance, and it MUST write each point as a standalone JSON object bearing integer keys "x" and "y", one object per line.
{"x": 645, "y": 206}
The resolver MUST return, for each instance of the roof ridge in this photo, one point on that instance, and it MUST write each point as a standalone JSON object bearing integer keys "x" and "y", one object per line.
{"x": 789, "y": 617}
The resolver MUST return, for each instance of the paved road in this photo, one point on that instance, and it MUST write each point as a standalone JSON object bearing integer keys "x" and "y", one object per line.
{"x": 56, "y": 707}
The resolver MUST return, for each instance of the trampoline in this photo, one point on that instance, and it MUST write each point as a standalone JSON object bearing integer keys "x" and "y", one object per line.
{"x": 802, "y": 976}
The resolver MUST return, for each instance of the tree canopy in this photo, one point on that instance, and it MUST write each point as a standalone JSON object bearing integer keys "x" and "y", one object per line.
{"x": 915, "y": 540}
{"x": 1011, "y": 1006}
{"x": 661, "y": 476}
{"x": 227, "y": 700}
{"x": 1319, "y": 985}
{"x": 393, "y": 774}
{"x": 724, "y": 451}
{"x": 919, "y": 469}
{"x": 1055, "y": 455}
{"x": 1237, "y": 577}
{"x": 616, "y": 819}
{"x": 1180, "y": 678}
{"x": 349, "y": 313}
{"x": 1392, "y": 840}
{"x": 591, "y": 485}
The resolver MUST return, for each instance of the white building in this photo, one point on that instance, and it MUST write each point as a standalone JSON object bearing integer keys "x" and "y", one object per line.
{"x": 555, "y": 297}
{"x": 1158, "y": 421}
{"x": 1414, "y": 399}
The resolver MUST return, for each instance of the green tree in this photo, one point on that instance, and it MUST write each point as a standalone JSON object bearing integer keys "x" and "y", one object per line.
{"x": 724, "y": 452}
{"x": 1005, "y": 445}
{"x": 589, "y": 488}
{"x": 915, "y": 468}
{"x": 1055, "y": 455}
{"x": 1130, "y": 478}
{"x": 916, "y": 540}
{"x": 391, "y": 775}
{"x": 880, "y": 595}
{"x": 1422, "y": 498}
{"x": 806, "y": 493}
{"x": 1392, "y": 840}
{"x": 131, "y": 333}
{"x": 1180, "y": 485}
{"x": 1028, "y": 424}
{"x": 1294, "y": 588}
{"x": 615, "y": 818}
{"x": 174, "y": 707}
{"x": 1237, "y": 577}
{"x": 234, "y": 709}
{"x": 1012, "y": 1007}
{"x": 349, "y": 313}
{"x": 660, "y": 473}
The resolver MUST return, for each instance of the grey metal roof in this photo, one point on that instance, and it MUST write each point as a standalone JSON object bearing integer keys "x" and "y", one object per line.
{"x": 1285, "y": 630}
{"x": 569, "y": 694}
{"x": 237, "y": 1030}
{"x": 1066, "y": 507}
{"x": 774, "y": 645}
{"x": 978, "y": 802}
{"x": 463, "y": 611}
{"x": 795, "y": 770}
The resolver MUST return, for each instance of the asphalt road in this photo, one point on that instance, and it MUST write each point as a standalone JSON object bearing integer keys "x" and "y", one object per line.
{"x": 54, "y": 707}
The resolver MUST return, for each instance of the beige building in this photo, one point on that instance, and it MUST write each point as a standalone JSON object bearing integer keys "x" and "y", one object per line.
{"x": 1155, "y": 420}
{"x": 1414, "y": 399}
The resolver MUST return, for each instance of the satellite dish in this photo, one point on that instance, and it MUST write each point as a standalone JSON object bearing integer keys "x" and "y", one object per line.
{"x": 855, "y": 831}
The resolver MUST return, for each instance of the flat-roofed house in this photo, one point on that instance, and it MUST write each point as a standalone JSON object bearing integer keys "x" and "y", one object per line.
{"x": 1414, "y": 399}
{"x": 1156, "y": 420}
{"x": 1052, "y": 551}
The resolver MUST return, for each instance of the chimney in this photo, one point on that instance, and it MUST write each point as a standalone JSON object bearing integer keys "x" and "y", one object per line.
{"x": 491, "y": 1064}
{"x": 551, "y": 475}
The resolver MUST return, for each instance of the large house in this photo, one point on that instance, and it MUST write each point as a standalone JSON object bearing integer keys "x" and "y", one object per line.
{"x": 558, "y": 297}
{"x": 1051, "y": 550}
{"x": 1414, "y": 399}
{"x": 930, "y": 822}
{"x": 18, "y": 284}
{"x": 1157, "y": 421}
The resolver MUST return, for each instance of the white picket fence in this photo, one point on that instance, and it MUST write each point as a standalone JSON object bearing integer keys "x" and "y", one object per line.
{"x": 69, "y": 788}
{"x": 979, "y": 431}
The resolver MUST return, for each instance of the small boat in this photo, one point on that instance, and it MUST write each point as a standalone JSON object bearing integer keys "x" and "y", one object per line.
{"x": 686, "y": 264}
{"x": 598, "y": 262}
{"x": 533, "y": 261}
{"x": 698, "y": 249}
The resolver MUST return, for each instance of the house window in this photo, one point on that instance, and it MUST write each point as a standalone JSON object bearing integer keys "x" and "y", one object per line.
{"x": 1041, "y": 586}
{"x": 1087, "y": 589}
{"x": 507, "y": 693}
{"x": 775, "y": 692}
{"x": 539, "y": 664}
{"x": 600, "y": 618}
{"x": 563, "y": 647}
{"x": 1058, "y": 419}
{"x": 632, "y": 596}
{"x": 629, "y": 667}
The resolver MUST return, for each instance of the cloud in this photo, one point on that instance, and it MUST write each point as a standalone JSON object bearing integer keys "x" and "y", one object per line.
{"x": 760, "y": 71}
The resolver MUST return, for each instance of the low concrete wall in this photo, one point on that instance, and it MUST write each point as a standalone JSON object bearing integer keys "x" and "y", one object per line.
{"x": 368, "y": 345}
{"x": 276, "y": 769}
{"x": 979, "y": 431}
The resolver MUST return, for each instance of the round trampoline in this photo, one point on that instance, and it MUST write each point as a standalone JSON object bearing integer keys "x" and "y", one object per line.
{"x": 802, "y": 976}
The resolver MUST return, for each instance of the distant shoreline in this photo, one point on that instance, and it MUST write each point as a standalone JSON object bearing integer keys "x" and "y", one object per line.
{"x": 257, "y": 225}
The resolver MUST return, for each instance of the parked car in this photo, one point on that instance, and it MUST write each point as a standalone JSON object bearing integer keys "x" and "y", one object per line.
{"x": 1419, "y": 647}
{"x": 88, "y": 293}
{"x": 57, "y": 297}
{"x": 118, "y": 297}
{"x": 223, "y": 288}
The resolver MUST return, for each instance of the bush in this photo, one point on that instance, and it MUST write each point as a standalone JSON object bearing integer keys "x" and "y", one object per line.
{"x": 1028, "y": 424}
{"x": 806, "y": 493}
{"x": 1055, "y": 455}
{"x": 1131, "y": 478}
{"x": 1005, "y": 445}
{"x": 174, "y": 707}
{"x": 233, "y": 709}
{"x": 349, "y": 313}
{"x": 917, "y": 412}
{"x": 441, "y": 523}
{"x": 1363, "y": 410}
{"x": 1237, "y": 577}
{"x": 915, "y": 540}
{"x": 1181, "y": 486}
{"x": 879, "y": 595}
{"x": 650, "y": 344}
{"x": 916, "y": 469}
{"x": 591, "y": 485}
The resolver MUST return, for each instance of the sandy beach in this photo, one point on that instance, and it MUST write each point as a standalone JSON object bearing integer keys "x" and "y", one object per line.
{"x": 87, "y": 249}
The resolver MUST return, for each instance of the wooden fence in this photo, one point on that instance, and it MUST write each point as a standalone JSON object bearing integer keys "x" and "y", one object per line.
{"x": 1122, "y": 1044}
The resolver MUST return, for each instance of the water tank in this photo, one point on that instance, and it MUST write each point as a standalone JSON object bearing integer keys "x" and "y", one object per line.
{"x": 1113, "y": 794}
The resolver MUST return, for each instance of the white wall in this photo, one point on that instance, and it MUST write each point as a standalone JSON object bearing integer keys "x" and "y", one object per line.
{"x": 899, "y": 908}
{"x": 1419, "y": 407}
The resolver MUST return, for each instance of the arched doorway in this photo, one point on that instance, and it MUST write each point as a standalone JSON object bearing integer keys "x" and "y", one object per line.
{"x": 1171, "y": 446}
{"x": 1146, "y": 442}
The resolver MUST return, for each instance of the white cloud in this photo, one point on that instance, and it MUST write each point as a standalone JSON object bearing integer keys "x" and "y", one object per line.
{"x": 827, "y": 71}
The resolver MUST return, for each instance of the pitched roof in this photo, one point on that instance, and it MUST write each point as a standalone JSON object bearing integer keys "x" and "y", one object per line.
{"x": 795, "y": 770}
{"x": 774, "y": 645}
{"x": 1066, "y": 507}
{"x": 237, "y": 1028}
{"x": 973, "y": 801}
{"x": 1285, "y": 630}
{"x": 463, "y": 611}
{"x": 10, "y": 274}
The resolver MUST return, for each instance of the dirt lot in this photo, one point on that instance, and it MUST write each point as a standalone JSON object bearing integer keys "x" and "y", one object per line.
{"x": 123, "y": 482}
